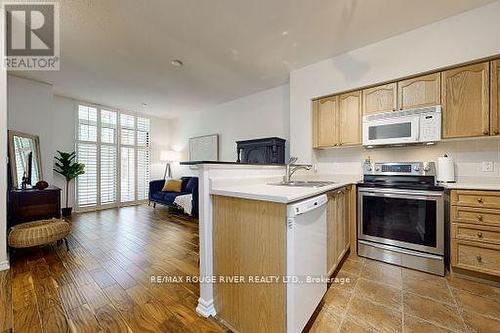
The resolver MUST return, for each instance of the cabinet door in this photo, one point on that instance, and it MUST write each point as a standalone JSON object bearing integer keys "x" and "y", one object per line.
{"x": 495, "y": 98}
{"x": 326, "y": 122}
{"x": 380, "y": 99}
{"x": 466, "y": 101}
{"x": 350, "y": 118}
{"x": 331, "y": 227}
{"x": 420, "y": 91}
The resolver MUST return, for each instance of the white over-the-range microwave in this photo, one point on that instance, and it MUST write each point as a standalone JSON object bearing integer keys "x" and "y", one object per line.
{"x": 404, "y": 127}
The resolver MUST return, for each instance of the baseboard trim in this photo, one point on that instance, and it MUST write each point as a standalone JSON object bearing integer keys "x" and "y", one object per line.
{"x": 4, "y": 265}
{"x": 204, "y": 308}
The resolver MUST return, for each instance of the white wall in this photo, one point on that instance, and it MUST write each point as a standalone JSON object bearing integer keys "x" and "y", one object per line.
{"x": 260, "y": 115}
{"x": 161, "y": 131}
{"x": 30, "y": 111}
{"x": 471, "y": 35}
{"x": 34, "y": 109}
{"x": 4, "y": 264}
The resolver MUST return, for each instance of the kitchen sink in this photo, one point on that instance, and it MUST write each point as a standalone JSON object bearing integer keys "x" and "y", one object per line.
{"x": 300, "y": 183}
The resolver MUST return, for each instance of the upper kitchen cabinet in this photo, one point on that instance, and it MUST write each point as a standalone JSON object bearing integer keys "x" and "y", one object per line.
{"x": 420, "y": 91}
{"x": 350, "y": 118}
{"x": 326, "y": 118}
{"x": 495, "y": 98}
{"x": 466, "y": 101}
{"x": 380, "y": 99}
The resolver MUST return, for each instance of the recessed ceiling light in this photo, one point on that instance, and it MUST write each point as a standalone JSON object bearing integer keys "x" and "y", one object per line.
{"x": 285, "y": 33}
{"x": 177, "y": 63}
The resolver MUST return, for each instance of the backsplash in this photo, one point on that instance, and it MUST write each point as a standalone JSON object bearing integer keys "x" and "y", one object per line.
{"x": 467, "y": 153}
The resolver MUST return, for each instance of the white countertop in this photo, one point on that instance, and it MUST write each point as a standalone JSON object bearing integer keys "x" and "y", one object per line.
{"x": 249, "y": 189}
{"x": 280, "y": 194}
{"x": 472, "y": 186}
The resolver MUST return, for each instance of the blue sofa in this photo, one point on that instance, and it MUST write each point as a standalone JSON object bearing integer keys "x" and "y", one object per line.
{"x": 189, "y": 186}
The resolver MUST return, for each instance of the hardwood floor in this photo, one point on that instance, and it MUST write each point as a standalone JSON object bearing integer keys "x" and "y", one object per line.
{"x": 104, "y": 283}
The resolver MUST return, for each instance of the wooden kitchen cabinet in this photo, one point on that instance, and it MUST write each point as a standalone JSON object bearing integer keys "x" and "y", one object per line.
{"x": 326, "y": 122}
{"x": 350, "y": 118}
{"x": 380, "y": 99}
{"x": 475, "y": 232}
{"x": 420, "y": 91}
{"x": 338, "y": 227}
{"x": 495, "y": 98}
{"x": 249, "y": 238}
{"x": 466, "y": 101}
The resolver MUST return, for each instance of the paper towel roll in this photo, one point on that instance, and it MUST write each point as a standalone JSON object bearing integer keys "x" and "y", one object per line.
{"x": 445, "y": 169}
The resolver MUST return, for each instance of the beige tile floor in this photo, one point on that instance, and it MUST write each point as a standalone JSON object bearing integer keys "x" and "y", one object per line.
{"x": 372, "y": 296}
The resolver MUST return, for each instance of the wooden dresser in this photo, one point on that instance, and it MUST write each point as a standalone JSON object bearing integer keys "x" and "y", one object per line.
{"x": 31, "y": 205}
{"x": 475, "y": 231}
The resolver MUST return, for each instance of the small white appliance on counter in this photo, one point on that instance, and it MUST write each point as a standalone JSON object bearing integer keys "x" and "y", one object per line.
{"x": 445, "y": 169}
{"x": 306, "y": 256}
{"x": 404, "y": 127}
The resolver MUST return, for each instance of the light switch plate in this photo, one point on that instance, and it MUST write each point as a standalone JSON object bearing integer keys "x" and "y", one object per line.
{"x": 487, "y": 166}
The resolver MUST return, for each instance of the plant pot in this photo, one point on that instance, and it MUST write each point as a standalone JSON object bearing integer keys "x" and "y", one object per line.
{"x": 66, "y": 212}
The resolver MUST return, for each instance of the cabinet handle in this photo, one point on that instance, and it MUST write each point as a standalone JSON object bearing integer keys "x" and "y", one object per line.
{"x": 480, "y": 200}
{"x": 480, "y": 217}
{"x": 480, "y": 234}
{"x": 479, "y": 258}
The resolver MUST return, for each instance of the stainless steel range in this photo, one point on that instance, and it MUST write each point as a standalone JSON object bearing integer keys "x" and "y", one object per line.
{"x": 401, "y": 215}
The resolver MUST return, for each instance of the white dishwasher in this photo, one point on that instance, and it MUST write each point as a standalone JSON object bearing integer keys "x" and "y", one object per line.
{"x": 306, "y": 257}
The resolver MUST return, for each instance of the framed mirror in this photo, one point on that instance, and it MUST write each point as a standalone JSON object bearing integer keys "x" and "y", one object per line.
{"x": 25, "y": 159}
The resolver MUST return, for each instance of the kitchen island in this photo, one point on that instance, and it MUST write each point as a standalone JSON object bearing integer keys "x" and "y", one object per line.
{"x": 222, "y": 186}
{"x": 252, "y": 240}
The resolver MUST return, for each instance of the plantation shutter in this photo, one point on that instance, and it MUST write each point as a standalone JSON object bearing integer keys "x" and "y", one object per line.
{"x": 87, "y": 154}
{"x": 108, "y": 158}
{"x": 127, "y": 174}
{"x": 143, "y": 158}
{"x": 87, "y": 183}
{"x": 115, "y": 148}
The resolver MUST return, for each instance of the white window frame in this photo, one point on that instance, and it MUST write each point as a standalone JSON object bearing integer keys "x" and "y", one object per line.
{"x": 118, "y": 202}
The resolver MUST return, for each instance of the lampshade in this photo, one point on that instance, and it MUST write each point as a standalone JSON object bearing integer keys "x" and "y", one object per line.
{"x": 170, "y": 156}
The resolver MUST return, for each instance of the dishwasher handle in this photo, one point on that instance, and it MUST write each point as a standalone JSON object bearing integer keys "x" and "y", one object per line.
{"x": 307, "y": 205}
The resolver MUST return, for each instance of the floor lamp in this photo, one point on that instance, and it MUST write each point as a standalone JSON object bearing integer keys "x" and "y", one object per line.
{"x": 169, "y": 156}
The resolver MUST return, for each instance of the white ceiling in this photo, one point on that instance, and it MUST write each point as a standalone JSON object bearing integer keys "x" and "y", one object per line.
{"x": 118, "y": 52}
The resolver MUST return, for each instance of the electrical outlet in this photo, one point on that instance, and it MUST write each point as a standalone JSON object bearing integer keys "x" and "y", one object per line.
{"x": 487, "y": 166}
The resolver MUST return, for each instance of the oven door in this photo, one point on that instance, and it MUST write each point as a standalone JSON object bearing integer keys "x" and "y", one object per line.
{"x": 405, "y": 218}
{"x": 402, "y": 130}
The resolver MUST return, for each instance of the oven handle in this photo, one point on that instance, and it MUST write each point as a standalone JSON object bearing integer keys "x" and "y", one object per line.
{"x": 399, "y": 193}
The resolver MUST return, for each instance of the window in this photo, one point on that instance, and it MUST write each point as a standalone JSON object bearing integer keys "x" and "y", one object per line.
{"x": 108, "y": 157}
{"x": 115, "y": 149}
{"x": 87, "y": 154}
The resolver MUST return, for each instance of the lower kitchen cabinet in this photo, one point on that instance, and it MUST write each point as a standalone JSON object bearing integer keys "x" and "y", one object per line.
{"x": 250, "y": 240}
{"x": 338, "y": 226}
{"x": 475, "y": 231}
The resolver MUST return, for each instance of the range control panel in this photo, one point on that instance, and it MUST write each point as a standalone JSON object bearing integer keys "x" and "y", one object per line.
{"x": 400, "y": 168}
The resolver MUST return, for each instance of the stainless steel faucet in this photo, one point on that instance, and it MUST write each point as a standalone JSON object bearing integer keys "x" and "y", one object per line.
{"x": 291, "y": 167}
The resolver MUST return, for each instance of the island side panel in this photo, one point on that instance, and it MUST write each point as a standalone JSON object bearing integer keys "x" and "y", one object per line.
{"x": 250, "y": 239}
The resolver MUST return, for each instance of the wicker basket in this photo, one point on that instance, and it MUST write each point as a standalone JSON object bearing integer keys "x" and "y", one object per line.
{"x": 38, "y": 233}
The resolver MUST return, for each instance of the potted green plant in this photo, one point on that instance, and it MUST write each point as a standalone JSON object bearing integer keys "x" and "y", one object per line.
{"x": 69, "y": 169}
